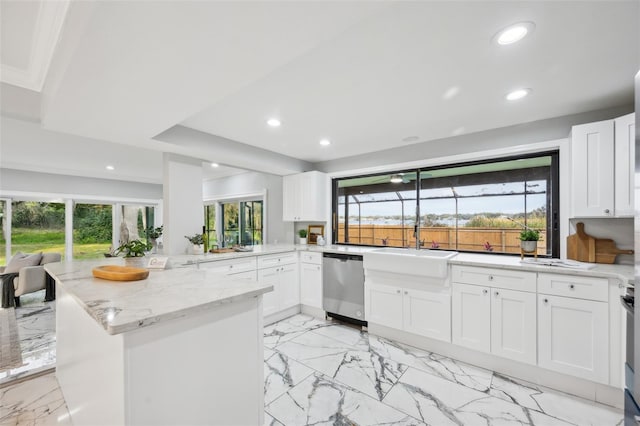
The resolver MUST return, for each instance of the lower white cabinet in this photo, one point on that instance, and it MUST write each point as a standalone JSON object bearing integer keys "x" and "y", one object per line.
{"x": 573, "y": 337}
{"x": 416, "y": 311}
{"x": 471, "y": 316}
{"x": 495, "y": 320}
{"x": 427, "y": 313}
{"x": 286, "y": 291}
{"x": 311, "y": 285}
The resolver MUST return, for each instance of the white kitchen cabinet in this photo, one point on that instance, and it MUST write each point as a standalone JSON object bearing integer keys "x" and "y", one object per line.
{"x": 602, "y": 168}
{"x": 424, "y": 311}
{"x": 573, "y": 337}
{"x": 513, "y": 325}
{"x": 281, "y": 271}
{"x": 495, "y": 320}
{"x": 311, "y": 284}
{"x": 383, "y": 305}
{"x": 471, "y": 316}
{"x": 305, "y": 197}
{"x": 624, "y": 170}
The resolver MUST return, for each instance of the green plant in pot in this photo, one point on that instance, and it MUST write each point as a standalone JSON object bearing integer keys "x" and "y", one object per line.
{"x": 303, "y": 236}
{"x": 153, "y": 234}
{"x": 529, "y": 240}
{"x": 133, "y": 251}
{"x": 197, "y": 243}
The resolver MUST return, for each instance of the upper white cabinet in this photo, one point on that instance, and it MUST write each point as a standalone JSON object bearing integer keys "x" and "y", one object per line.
{"x": 625, "y": 155}
{"x": 304, "y": 197}
{"x": 602, "y": 168}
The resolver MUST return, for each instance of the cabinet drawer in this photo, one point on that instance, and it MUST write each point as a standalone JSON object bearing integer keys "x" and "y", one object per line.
{"x": 311, "y": 257}
{"x": 277, "y": 259}
{"x": 574, "y": 286}
{"x": 232, "y": 266}
{"x": 500, "y": 278}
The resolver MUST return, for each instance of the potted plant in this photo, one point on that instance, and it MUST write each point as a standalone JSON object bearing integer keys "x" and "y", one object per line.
{"x": 153, "y": 234}
{"x": 197, "y": 243}
{"x": 303, "y": 236}
{"x": 133, "y": 251}
{"x": 529, "y": 240}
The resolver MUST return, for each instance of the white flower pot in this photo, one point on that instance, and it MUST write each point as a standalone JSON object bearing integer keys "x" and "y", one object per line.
{"x": 303, "y": 241}
{"x": 529, "y": 246}
{"x": 197, "y": 249}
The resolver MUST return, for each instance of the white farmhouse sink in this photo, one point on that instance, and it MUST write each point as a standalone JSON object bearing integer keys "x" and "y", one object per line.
{"x": 425, "y": 263}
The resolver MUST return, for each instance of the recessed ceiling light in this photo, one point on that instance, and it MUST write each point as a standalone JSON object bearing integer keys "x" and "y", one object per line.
{"x": 325, "y": 142}
{"x": 514, "y": 33}
{"x": 274, "y": 122}
{"x": 215, "y": 165}
{"x": 517, "y": 94}
{"x": 110, "y": 167}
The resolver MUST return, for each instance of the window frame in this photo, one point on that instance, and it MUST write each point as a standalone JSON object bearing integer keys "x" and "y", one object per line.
{"x": 553, "y": 194}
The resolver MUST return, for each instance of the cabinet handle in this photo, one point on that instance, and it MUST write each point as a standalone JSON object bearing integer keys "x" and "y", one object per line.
{"x": 230, "y": 266}
{"x": 485, "y": 291}
{"x": 497, "y": 293}
{"x": 490, "y": 277}
{"x": 545, "y": 300}
{"x": 606, "y": 211}
{"x": 571, "y": 286}
{"x": 398, "y": 291}
{"x": 406, "y": 292}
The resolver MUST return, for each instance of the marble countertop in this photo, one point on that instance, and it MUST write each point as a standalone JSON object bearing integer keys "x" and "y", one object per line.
{"x": 168, "y": 294}
{"x": 622, "y": 272}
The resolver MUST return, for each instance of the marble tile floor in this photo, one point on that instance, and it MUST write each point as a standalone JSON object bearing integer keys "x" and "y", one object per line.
{"x": 36, "y": 322}
{"x": 322, "y": 372}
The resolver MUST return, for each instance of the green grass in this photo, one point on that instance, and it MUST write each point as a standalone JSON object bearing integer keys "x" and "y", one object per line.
{"x": 47, "y": 241}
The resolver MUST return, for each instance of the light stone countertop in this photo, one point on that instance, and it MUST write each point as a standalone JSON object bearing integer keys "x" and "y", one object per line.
{"x": 622, "y": 272}
{"x": 168, "y": 294}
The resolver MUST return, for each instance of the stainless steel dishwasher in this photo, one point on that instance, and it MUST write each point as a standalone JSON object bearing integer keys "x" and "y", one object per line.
{"x": 343, "y": 286}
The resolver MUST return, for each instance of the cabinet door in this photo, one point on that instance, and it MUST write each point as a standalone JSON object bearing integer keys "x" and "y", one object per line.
{"x": 592, "y": 164}
{"x": 513, "y": 325}
{"x": 383, "y": 305}
{"x": 311, "y": 285}
{"x": 427, "y": 314}
{"x": 289, "y": 286}
{"x": 291, "y": 198}
{"x": 573, "y": 337}
{"x": 313, "y": 196}
{"x": 471, "y": 316}
{"x": 625, "y": 154}
{"x": 270, "y": 301}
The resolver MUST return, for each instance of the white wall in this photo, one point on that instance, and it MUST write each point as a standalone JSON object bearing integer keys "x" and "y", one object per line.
{"x": 182, "y": 202}
{"x": 79, "y": 188}
{"x": 255, "y": 182}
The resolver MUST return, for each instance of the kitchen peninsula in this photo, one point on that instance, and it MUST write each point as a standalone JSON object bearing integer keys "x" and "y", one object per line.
{"x": 183, "y": 346}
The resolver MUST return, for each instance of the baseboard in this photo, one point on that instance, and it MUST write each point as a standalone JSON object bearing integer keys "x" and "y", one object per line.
{"x": 279, "y": 316}
{"x": 539, "y": 376}
{"x": 312, "y": 311}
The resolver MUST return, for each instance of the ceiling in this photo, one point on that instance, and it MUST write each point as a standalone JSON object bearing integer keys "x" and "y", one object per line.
{"x": 365, "y": 75}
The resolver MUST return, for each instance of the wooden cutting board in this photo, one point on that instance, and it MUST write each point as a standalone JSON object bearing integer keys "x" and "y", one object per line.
{"x": 585, "y": 248}
{"x": 606, "y": 251}
{"x": 580, "y": 246}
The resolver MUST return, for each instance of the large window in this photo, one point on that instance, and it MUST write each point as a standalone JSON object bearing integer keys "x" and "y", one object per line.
{"x": 92, "y": 230}
{"x": 241, "y": 223}
{"x": 210, "y": 225}
{"x": 479, "y": 207}
{"x": 37, "y": 227}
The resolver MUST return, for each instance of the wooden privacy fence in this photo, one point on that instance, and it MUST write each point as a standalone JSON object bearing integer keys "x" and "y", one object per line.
{"x": 502, "y": 240}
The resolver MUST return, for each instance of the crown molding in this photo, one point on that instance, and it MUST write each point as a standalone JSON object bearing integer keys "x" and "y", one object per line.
{"x": 51, "y": 16}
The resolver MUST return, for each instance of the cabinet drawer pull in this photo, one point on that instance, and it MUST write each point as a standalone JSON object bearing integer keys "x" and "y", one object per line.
{"x": 571, "y": 286}
{"x": 406, "y": 292}
{"x": 545, "y": 300}
{"x": 398, "y": 291}
{"x": 490, "y": 277}
{"x": 497, "y": 293}
{"x": 485, "y": 291}
{"x": 606, "y": 211}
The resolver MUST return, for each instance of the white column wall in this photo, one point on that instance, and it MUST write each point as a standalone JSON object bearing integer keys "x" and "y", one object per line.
{"x": 68, "y": 229}
{"x": 182, "y": 201}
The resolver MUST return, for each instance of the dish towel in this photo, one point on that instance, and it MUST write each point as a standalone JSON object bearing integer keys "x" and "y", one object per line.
{"x": 8, "y": 291}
